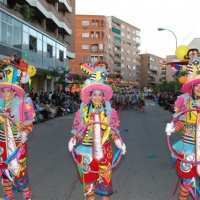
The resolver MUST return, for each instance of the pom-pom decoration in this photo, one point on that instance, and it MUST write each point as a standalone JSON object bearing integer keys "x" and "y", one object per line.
{"x": 25, "y": 77}
{"x": 181, "y": 51}
{"x": 31, "y": 70}
{"x": 182, "y": 79}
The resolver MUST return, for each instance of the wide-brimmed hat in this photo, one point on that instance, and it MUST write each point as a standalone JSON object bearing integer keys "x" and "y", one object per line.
{"x": 10, "y": 78}
{"x": 96, "y": 82}
{"x": 193, "y": 76}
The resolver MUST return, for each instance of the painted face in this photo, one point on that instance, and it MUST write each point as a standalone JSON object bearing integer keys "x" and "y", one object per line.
{"x": 8, "y": 94}
{"x": 102, "y": 66}
{"x": 96, "y": 97}
{"x": 197, "y": 89}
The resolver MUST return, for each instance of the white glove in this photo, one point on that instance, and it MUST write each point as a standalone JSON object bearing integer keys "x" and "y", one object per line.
{"x": 170, "y": 128}
{"x": 71, "y": 144}
{"x": 121, "y": 146}
{"x": 23, "y": 137}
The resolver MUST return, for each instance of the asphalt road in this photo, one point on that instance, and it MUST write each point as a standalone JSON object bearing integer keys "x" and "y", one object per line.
{"x": 137, "y": 177}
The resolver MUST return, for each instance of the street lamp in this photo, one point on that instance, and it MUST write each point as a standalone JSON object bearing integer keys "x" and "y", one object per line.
{"x": 163, "y": 29}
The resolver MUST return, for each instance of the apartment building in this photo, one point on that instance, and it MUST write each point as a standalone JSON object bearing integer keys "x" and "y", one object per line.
{"x": 126, "y": 40}
{"x": 151, "y": 70}
{"x": 93, "y": 42}
{"x": 41, "y": 32}
{"x": 194, "y": 44}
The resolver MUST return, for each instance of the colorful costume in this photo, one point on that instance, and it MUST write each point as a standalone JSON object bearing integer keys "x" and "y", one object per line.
{"x": 188, "y": 123}
{"x": 17, "y": 113}
{"x": 94, "y": 151}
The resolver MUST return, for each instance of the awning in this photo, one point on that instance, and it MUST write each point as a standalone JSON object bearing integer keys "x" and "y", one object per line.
{"x": 117, "y": 45}
{"x": 115, "y": 21}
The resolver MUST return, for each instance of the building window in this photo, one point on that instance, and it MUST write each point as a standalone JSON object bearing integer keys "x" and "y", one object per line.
{"x": 85, "y": 34}
{"x": 137, "y": 39}
{"x": 70, "y": 69}
{"x": 137, "y": 33}
{"x": 6, "y": 33}
{"x": 85, "y": 23}
{"x": 94, "y": 59}
{"x": 122, "y": 49}
{"x": 128, "y": 59}
{"x": 85, "y": 58}
{"x": 128, "y": 51}
{"x": 128, "y": 29}
{"x": 134, "y": 60}
{"x": 33, "y": 43}
{"x": 117, "y": 40}
{"x": 92, "y": 34}
{"x": 151, "y": 59}
{"x": 122, "y": 34}
{"x": 128, "y": 36}
{"x": 49, "y": 51}
{"x": 122, "y": 65}
{"x": 85, "y": 46}
{"x": 122, "y": 26}
{"x": 94, "y": 47}
{"x": 61, "y": 55}
{"x": 134, "y": 38}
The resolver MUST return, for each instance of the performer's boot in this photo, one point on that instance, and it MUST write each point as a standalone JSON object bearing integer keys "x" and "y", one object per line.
{"x": 89, "y": 191}
{"x": 106, "y": 197}
{"x": 27, "y": 194}
{"x": 7, "y": 188}
{"x": 184, "y": 192}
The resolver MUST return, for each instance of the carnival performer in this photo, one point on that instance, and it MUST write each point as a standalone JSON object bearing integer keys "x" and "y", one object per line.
{"x": 15, "y": 126}
{"x": 94, "y": 151}
{"x": 188, "y": 123}
{"x": 141, "y": 100}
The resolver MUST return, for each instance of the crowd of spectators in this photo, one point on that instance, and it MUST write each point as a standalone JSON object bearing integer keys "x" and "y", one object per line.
{"x": 49, "y": 105}
{"x": 167, "y": 100}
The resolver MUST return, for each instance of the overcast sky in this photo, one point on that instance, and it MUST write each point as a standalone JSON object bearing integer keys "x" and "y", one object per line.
{"x": 180, "y": 16}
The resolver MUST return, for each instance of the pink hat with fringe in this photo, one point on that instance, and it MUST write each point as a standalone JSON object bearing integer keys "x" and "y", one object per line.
{"x": 96, "y": 82}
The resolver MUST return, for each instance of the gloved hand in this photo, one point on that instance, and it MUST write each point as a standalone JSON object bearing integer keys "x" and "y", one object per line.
{"x": 170, "y": 128}
{"x": 121, "y": 146}
{"x": 71, "y": 144}
{"x": 23, "y": 137}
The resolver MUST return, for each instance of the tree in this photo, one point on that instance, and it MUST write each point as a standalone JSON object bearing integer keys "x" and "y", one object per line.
{"x": 166, "y": 86}
{"x": 60, "y": 73}
{"x": 79, "y": 79}
{"x": 28, "y": 12}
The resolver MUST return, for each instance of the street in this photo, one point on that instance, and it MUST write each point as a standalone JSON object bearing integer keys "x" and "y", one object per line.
{"x": 144, "y": 173}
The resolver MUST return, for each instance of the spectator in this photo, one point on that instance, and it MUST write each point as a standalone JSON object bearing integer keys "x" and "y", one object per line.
{"x": 48, "y": 53}
{"x": 42, "y": 110}
{"x": 32, "y": 46}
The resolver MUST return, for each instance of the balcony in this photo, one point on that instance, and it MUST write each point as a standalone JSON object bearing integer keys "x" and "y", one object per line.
{"x": 49, "y": 11}
{"x": 34, "y": 24}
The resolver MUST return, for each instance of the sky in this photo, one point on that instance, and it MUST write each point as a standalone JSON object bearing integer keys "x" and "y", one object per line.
{"x": 179, "y": 16}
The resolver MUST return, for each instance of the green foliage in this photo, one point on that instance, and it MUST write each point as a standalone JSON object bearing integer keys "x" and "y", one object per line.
{"x": 28, "y": 12}
{"x": 79, "y": 79}
{"x": 166, "y": 86}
